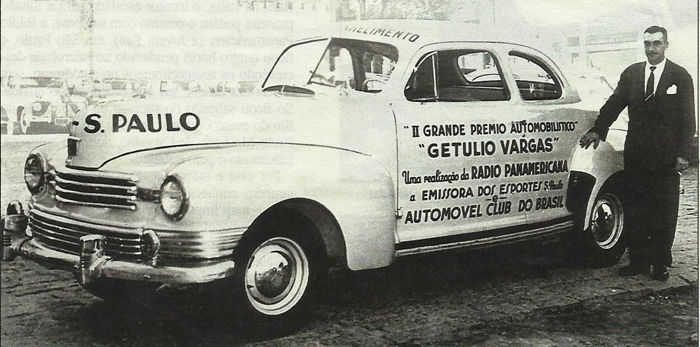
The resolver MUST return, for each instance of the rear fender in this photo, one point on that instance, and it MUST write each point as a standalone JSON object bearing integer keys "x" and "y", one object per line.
{"x": 602, "y": 164}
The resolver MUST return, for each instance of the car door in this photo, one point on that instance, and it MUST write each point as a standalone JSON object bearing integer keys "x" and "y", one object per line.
{"x": 550, "y": 129}
{"x": 456, "y": 113}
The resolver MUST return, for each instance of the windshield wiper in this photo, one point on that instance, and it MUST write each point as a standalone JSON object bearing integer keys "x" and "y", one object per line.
{"x": 285, "y": 88}
{"x": 424, "y": 99}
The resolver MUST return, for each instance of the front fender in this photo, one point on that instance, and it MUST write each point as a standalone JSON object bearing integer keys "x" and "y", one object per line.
{"x": 232, "y": 187}
{"x": 601, "y": 163}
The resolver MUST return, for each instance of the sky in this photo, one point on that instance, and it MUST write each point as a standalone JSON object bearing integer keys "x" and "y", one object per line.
{"x": 38, "y": 34}
{"x": 563, "y": 12}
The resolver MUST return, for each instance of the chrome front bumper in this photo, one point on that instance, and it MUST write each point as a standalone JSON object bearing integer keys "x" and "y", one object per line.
{"x": 92, "y": 263}
{"x": 59, "y": 121}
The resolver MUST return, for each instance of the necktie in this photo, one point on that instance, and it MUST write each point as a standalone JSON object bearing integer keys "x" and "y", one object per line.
{"x": 650, "y": 84}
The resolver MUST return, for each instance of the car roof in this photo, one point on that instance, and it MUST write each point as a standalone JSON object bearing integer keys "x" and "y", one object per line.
{"x": 410, "y": 35}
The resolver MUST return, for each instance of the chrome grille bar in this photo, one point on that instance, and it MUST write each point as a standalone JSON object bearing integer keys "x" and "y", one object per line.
{"x": 96, "y": 188}
{"x": 64, "y": 235}
{"x": 96, "y": 185}
{"x": 74, "y": 235}
{"x": 209, "y": 244}
{"x": 96, "y": 195}
{"x": 100, "y": 175}
{"x": 76, "y": 202}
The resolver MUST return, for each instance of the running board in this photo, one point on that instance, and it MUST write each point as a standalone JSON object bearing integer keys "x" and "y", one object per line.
{"x": 491, "y": 241}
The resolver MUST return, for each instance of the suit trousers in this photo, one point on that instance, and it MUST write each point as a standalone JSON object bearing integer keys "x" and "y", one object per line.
{"x": 651, "y": 212}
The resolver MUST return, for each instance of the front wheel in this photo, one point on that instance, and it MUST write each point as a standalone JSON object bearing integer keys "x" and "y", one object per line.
{"x": 605, "y": 241}
{"x": 277, "y": 276}
{"x": 276, "y": 282}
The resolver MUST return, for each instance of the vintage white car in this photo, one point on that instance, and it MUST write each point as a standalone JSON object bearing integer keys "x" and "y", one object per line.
{"x": 38, "y": 104}
{"x": 376, "y": 141}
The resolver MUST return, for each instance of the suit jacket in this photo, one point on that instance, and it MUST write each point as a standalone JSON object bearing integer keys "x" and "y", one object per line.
{"x": 659, "y": 129}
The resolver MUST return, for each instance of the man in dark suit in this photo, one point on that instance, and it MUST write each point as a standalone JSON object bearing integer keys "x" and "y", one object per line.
{"x": 660, "y": 102}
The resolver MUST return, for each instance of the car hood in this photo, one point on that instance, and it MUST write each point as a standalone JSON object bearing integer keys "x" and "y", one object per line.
{"x": 48, "y": 94}
{"x": 102, "y": 133}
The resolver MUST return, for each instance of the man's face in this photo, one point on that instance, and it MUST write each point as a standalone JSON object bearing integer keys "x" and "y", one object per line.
{"x": 655, "y": 47}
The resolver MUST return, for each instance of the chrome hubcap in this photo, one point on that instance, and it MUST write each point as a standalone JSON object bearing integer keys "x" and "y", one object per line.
{"x": 276, "y": 276}
{"x": 607, "y": 221}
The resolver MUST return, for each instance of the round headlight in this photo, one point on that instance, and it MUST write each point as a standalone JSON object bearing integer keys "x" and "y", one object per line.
{"x": 36, "y": 107}
{"x": 173, "y": 198}
{"x": 33, "y": 173}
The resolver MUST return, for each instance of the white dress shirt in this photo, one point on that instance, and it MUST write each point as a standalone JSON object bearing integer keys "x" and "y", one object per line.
{"x": 657, "y": 73}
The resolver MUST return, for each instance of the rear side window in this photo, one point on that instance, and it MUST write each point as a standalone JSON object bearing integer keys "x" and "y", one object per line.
{"x": 535, "y": 81}
{"x": 457, "y": 76}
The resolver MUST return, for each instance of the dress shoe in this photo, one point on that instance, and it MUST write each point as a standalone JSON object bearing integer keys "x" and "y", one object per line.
{"x": 659, "y": 272}
{"x": 633, "y": 269}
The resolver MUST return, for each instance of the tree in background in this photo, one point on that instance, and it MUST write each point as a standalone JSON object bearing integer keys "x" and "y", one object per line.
{"x": 395, "y": 9}
{"x": 416, "y": 9}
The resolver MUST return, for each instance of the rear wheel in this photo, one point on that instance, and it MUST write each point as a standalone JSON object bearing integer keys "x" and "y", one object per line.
{"x": 605, "y": 238}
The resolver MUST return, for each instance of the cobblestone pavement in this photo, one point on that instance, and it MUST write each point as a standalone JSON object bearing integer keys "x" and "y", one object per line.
{"x": 424, "y": 301}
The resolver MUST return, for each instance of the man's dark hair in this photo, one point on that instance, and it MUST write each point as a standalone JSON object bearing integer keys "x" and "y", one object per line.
{"x": 657, "y": 29}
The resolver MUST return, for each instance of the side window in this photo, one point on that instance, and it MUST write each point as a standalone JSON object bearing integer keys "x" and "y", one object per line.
{"x": 484, "y": 81}
{"x": 335, "y": 68}
{"x": 421, "y": 85}
{"x": 377, "y": 68}
{"x": 535, "y": 81}
{"x": 457, "y": 76}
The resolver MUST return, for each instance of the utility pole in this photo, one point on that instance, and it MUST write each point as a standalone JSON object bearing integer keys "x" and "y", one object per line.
{"x": 87, "y": 24}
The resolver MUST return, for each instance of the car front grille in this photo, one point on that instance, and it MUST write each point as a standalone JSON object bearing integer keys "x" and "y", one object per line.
{"x": 44, "y": 108}
{"x": 63, "y": 234}
{"x": 96, "y": 188}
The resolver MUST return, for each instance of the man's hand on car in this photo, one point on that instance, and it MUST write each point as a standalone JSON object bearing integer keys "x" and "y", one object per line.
{"x": 588, "y": 138}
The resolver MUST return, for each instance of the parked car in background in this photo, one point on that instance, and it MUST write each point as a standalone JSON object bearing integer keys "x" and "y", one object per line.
{"x": 246, "y": 86}
{"x": 7, "y": 127}
{"x": 228, "y": 87}
{"x": 178, "y": 88}
{"x": 233, "y": 87}
{"x": 126, "y": 88}
{"x": 115, "y": 89}
{"x": 38, "y": 104}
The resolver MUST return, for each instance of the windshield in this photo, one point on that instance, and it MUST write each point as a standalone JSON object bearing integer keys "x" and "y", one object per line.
{"x": 351, "y": 64}
{"x": 40, "y": 82}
